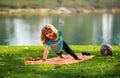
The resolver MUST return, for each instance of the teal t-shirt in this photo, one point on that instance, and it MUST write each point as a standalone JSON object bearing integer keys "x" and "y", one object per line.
{"x": 57, "y": 45}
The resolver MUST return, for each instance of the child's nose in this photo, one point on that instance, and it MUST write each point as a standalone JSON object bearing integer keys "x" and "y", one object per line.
{"x": 49, "y": 34}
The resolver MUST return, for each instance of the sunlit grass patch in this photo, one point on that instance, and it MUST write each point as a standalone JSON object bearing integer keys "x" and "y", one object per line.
{"x": 12, "y": 63}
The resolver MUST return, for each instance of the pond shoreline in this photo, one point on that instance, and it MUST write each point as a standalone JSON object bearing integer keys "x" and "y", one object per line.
{"x": 61, "y": 10}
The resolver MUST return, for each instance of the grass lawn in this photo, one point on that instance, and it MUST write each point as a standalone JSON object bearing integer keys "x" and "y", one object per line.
{"x": 12, "y": 64}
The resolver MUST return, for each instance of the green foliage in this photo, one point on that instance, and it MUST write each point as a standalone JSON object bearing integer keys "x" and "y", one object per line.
{"x": 59, "y": 3}
{"x": 12, "y": 64}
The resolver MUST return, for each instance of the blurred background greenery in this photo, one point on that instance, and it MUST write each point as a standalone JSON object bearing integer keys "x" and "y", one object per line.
{"x": 58, "y": 3}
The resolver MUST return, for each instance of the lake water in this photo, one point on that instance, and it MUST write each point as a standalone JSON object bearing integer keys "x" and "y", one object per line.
{"x": 78, "y": 29}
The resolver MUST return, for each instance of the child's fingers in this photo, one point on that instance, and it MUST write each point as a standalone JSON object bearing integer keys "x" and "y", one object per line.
{"x": 44, "y": 60}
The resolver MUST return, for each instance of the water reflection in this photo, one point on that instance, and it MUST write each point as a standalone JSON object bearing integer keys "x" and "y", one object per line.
{"x": 26, "y": 34}
{"x": 45, "y": 20}
{"x": 107, "y": 23}
{"x": 95, "y": 30}
{"x": 81, "y": 29}
{"x": 22, "y": 34}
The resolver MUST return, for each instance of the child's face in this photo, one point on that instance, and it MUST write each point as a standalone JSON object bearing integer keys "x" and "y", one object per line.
{"x": 49, "y": 34}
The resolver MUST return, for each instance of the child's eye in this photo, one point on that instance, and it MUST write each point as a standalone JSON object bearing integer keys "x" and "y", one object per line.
{"x": 49, "y": 32}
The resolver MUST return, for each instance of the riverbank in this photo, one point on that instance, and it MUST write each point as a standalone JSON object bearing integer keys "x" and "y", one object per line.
{"x": 61, "y": 10}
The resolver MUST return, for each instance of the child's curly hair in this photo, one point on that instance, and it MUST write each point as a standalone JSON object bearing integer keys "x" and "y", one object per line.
{"x": 46, "y": 28}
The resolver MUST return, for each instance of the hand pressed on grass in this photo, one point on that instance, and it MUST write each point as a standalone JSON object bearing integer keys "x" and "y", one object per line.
{"x": 43, "y": 60}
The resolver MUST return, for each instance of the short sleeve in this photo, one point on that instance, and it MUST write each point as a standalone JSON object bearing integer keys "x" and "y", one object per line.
{"x": 48, "y": 43}
{"x": 60, "y": 32}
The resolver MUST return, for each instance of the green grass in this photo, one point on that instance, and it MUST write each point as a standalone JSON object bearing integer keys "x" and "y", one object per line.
{"x": 12, "y": 64}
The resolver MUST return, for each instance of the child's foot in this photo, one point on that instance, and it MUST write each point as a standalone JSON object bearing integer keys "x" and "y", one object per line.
{"x": 88, "y": 54}
{"x": 85, "y": 53}
{"x": 78, "y": 58}
{"x": 61, "y": 56}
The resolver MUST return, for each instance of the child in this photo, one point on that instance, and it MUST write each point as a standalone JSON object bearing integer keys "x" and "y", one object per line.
{"x": 52, "y": 37}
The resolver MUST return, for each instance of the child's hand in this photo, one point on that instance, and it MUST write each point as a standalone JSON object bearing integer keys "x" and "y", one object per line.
{"x": 44, "y": 60}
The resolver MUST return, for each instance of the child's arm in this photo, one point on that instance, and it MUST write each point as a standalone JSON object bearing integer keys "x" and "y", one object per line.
{"x": 46, "y": 51}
